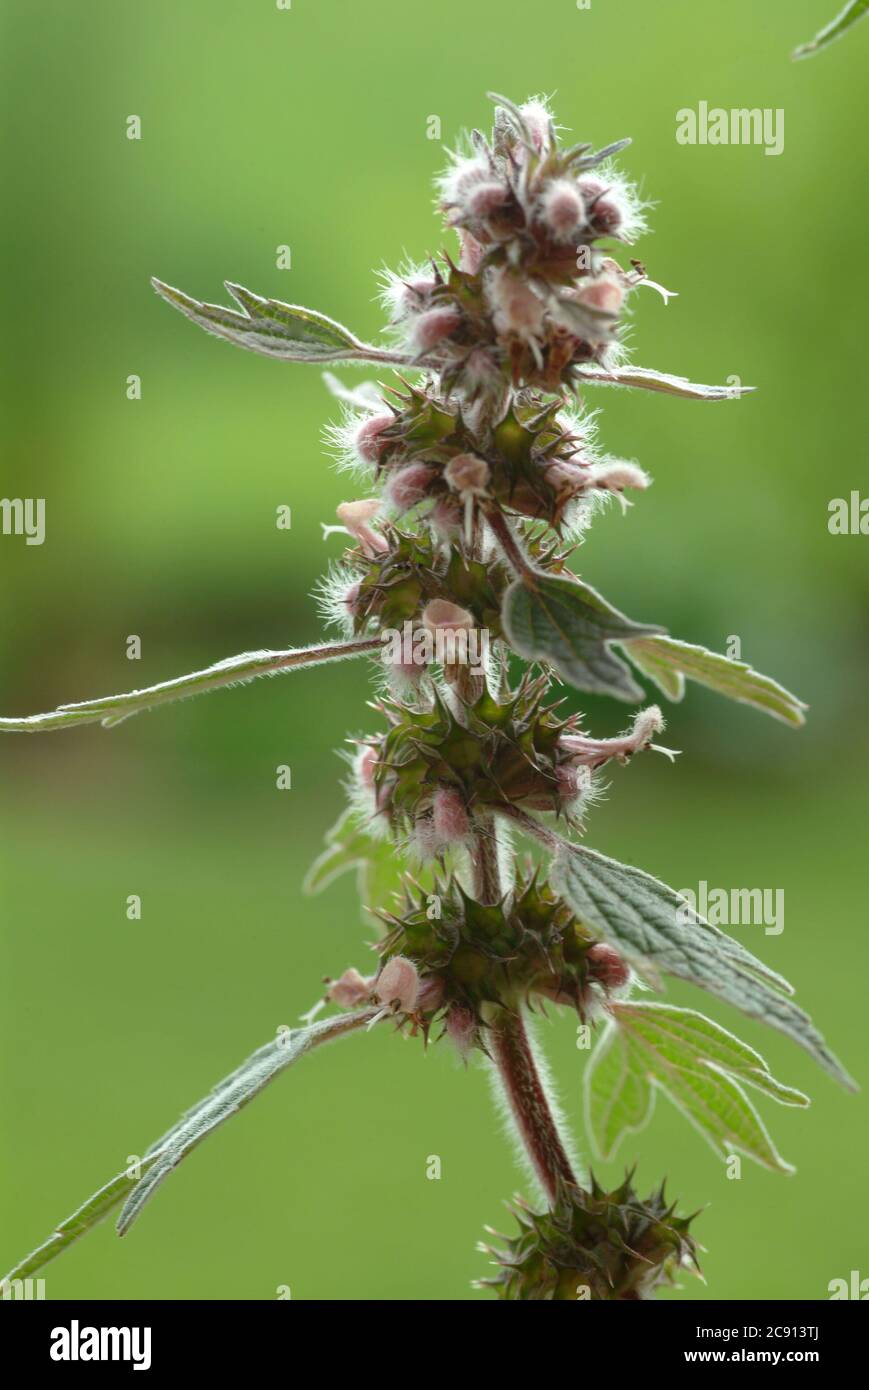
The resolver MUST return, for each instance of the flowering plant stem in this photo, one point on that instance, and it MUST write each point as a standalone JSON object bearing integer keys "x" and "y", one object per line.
{"x": 483, "y": 475}
{"x": 526, "y": 1097}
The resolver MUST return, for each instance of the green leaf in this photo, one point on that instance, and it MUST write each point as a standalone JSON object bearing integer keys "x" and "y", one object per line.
{"x": 350, "y": 846}
{"x": 657, "y": 930}
{"x": 381, "y": 864}
{"x": 568, "y": 624}
{"x": 235, "y": 670}
{"x": 286, "y": 331}
{"x": 660, "y": 381}
{"x": 224, "y": 1101}
{"x": 667, "y": 662}
{"x": 693, "y": 1061}
{"x": 854, "y": 10}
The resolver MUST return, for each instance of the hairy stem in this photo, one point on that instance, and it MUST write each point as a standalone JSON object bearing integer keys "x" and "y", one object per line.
{"x": 484, "y": 856}
{"x": 513, "y": 552}
{"x": 526, "y": 1096}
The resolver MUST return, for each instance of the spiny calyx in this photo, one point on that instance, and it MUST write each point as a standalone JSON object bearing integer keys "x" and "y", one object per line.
{"x": 527, "y": 948}
{"x": 594, "y": 1246}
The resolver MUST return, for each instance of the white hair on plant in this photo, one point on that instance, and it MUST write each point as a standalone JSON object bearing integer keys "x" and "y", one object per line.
{"x": 508, "y": 1119}
{"x": 626, "y": 194}
{"x": 402, "y": 291}
{"x": 331, "y": 594}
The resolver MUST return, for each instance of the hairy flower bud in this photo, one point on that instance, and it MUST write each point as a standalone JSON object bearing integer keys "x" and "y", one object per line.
{"x": 409, "y": 486}
{"x": 516, "y": 308}
{"x": 538, "y": 123}
{"x": 366, "y": 762}
{"x": 431, "y": 994}
{"x": 562, "y": 208}
{"x": 471, "y": 252}
{"x": 449, "y": 817}
{"x": 603, "y": 206}
{"x": 368, "y": 441}
{"x": 486, "y": 198}
{"x": 433, "y": 326}
{"x": 606, "y": 966}
{"x": 397, "y": 985}
{"x": 446, "y": 518}
{"x": 461, "y": 1029}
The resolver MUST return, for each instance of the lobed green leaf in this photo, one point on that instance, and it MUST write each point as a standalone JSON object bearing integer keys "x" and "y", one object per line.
{"x": 697, "y": 1064}
{"x": 567, "y": 624}
{"x": 658, "y": 932}
{"x": 668, "y": 662}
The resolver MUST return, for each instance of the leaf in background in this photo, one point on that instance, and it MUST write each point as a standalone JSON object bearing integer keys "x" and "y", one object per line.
{"x": 660, "y": 381}
{"x": 854, "y": 10}
{"x": 350, "y": 846}
{"x": 159, "y": 1160}
{"x": 286, "y": 331}
{"x": 568, "y": 624}
{"x": 667, "y": 662}
{"x": 697, "y": 1064}
{"x": 235, "y": 670}
{"x": 656, "y": 929}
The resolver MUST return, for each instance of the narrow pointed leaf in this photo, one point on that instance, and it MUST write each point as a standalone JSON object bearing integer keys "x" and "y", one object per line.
{"x": 697, "y": 1064}
{"x": 235, "y": 670}
{"x": 84, "y": 1219}
{"x": 267, "y": 326}
{"x": 224, "y": 1101}
{"x": 569, "y": 625}
{"x": 660, "y": 381}
{"x": 657, "y": 931}
{"x": 668, "y": 662}
{"x": 854, "y": 10}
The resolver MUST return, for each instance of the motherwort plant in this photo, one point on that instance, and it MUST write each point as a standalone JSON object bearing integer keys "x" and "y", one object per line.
{"x": 480, "y": 472}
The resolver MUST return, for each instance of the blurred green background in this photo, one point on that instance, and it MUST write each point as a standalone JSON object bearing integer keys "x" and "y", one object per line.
{"x": 307, "y": 127}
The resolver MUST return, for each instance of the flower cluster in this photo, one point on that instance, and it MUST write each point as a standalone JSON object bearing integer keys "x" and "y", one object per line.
{"x": 534, "y": 295}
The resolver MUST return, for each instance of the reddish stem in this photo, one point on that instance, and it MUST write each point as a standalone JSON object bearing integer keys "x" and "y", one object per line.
{"x": 511, "y": 1050}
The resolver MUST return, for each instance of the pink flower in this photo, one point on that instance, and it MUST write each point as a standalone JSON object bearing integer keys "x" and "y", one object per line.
{"x": 594, "y": 752}
{"x": 351, "y": 990}
{"x": 467, "y": 473}
{"x": 397, "y": 985}
{"x": 605, "y": 294}
{"x": 357, "y": 517}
